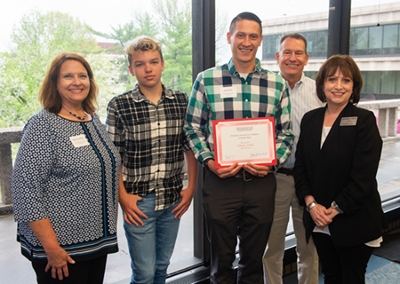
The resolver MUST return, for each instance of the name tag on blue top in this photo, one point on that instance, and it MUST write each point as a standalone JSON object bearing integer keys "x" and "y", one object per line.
{"x": 79, "y": 141}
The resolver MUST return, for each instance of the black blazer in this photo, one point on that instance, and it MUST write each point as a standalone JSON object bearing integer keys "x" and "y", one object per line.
{"x": 344, "y": 170}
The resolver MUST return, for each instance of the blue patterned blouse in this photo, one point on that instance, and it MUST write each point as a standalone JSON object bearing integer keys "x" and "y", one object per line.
{"x": 67, "y": 171}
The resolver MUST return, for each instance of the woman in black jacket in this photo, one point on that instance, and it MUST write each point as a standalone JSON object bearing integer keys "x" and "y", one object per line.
{"x": 337, "y": 160}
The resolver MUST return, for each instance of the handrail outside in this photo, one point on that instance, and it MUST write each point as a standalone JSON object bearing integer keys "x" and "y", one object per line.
{"x": 7, "y": 137}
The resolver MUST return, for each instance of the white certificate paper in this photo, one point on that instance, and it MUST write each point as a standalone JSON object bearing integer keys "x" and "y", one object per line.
{"x": 247, "y": 140}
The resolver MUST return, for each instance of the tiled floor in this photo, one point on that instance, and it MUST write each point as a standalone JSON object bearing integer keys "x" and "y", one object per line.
{"x": 379, "y": 271}
{"x": 15, "y": 269}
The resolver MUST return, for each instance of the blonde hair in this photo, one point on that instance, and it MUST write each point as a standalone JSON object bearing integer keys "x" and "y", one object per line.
{"x": 48, "y": 93}
{"x": 141, "y": 44}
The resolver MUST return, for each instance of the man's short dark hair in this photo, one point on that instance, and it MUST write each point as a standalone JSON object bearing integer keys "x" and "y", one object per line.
{"x": 245, "y": 16}
{"x": 295, "y": 36}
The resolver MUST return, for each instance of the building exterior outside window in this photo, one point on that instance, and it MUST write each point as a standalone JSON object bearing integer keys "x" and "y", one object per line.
{"x": 374, "y": 44}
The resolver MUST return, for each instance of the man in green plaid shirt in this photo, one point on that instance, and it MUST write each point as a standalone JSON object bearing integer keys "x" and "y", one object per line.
{"x": 238, "y": 200}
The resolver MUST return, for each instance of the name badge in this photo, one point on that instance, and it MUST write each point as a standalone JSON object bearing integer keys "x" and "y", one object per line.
{"x": 348, "y": 121}
{"x": 79, "y": 141}
{"x": 228, "y": 92}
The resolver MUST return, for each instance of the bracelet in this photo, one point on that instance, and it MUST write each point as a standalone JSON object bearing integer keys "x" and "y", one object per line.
{"x": 311, "y": 205}
{"x": 336, "y": 207}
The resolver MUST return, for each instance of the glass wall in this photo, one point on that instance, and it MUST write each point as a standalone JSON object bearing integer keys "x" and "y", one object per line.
{"x": 375, "y": 40}
{"x": 317, "y": 44}
{"x": 369, "y": 41}
{"x": 375, "y": 44}
{"x": 33, "y": 32}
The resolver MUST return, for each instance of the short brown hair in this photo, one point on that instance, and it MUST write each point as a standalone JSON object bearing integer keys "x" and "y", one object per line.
{"x": 294, "y": 36}
{"x": 48, "y": 94}
{"x": 348, "y": 67}
{"x": 141, "y": 44}
{"x": 245, "y": 16}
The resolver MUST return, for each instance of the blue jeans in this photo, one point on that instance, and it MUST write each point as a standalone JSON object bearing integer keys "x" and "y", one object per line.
{"x": 151, "y": 245}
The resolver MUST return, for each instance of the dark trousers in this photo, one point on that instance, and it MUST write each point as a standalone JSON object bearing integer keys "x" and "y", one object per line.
{"x": 83, "y": 272}
{"x": 342, "y": 266}
{"x": 235, "y": 209}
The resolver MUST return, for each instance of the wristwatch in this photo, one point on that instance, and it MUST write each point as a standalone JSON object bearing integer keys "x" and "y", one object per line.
{"x": 336, "y": 207}
{"x": 205, "y": 163}
{"x": 311, "y": 205}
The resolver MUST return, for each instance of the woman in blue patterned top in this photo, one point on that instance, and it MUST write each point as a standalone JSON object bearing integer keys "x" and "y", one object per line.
{"x": 65, "y": 180}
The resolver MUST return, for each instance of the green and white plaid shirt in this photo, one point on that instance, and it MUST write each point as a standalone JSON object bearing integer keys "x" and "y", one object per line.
{"x": 221, "y": 93}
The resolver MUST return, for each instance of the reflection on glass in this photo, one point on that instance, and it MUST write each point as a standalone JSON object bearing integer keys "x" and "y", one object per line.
{"x": 358, "y": 39}
{"x": 388, "y": 78}
{"x": 391, "y": 36}
{"x": 375, "y": 46}
{"x": 374, "y": 43}
{"x": 369, "y": 43}
{"x": 375, "y": 37}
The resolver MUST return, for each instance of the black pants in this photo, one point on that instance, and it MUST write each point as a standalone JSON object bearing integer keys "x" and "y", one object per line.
{"x": 235, "y": 208}
{"x": 83, "y": 272}
{"x": 342, "y": 266}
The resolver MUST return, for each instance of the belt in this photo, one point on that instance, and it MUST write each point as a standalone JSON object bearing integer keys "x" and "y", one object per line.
{"x": 286, "y": 171}
{"x": 245, "y": 175}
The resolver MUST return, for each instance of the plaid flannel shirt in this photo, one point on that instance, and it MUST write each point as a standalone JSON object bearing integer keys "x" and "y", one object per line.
{"x": 151, "y": 142}
{"x": 262, "y": 93}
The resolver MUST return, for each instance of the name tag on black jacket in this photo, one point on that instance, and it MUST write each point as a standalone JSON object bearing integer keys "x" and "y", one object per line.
{"x": 348, "y": 121}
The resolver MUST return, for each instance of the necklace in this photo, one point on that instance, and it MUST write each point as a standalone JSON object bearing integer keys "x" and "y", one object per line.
{"x": 77, "y": 116}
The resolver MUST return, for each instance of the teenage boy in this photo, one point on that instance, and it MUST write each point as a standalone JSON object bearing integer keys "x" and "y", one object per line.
{"x": 146, "y": 125}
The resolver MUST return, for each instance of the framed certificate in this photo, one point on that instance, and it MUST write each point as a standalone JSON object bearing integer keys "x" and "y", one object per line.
{"x": 244, "y": 140}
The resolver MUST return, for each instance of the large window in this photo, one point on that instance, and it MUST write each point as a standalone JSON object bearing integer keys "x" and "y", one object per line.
{"x": 317, "y": 44}
{"x": 33, "y": 32}
{"x": 390, "y": 36}
{"x": 26, "y": 47}
{"x": 368, "y": 41}
{"x": 377, "y": 40}
{"x": 359, "y": 39}
{"x": 374, "y": 44}
{"x": 375, "y": 37}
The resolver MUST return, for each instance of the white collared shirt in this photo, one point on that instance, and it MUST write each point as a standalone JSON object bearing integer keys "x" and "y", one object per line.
{"x": 303, "y": 98}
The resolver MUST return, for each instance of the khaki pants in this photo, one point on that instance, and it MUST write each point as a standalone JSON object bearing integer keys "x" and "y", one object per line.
{"x": 307, "y": 258}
